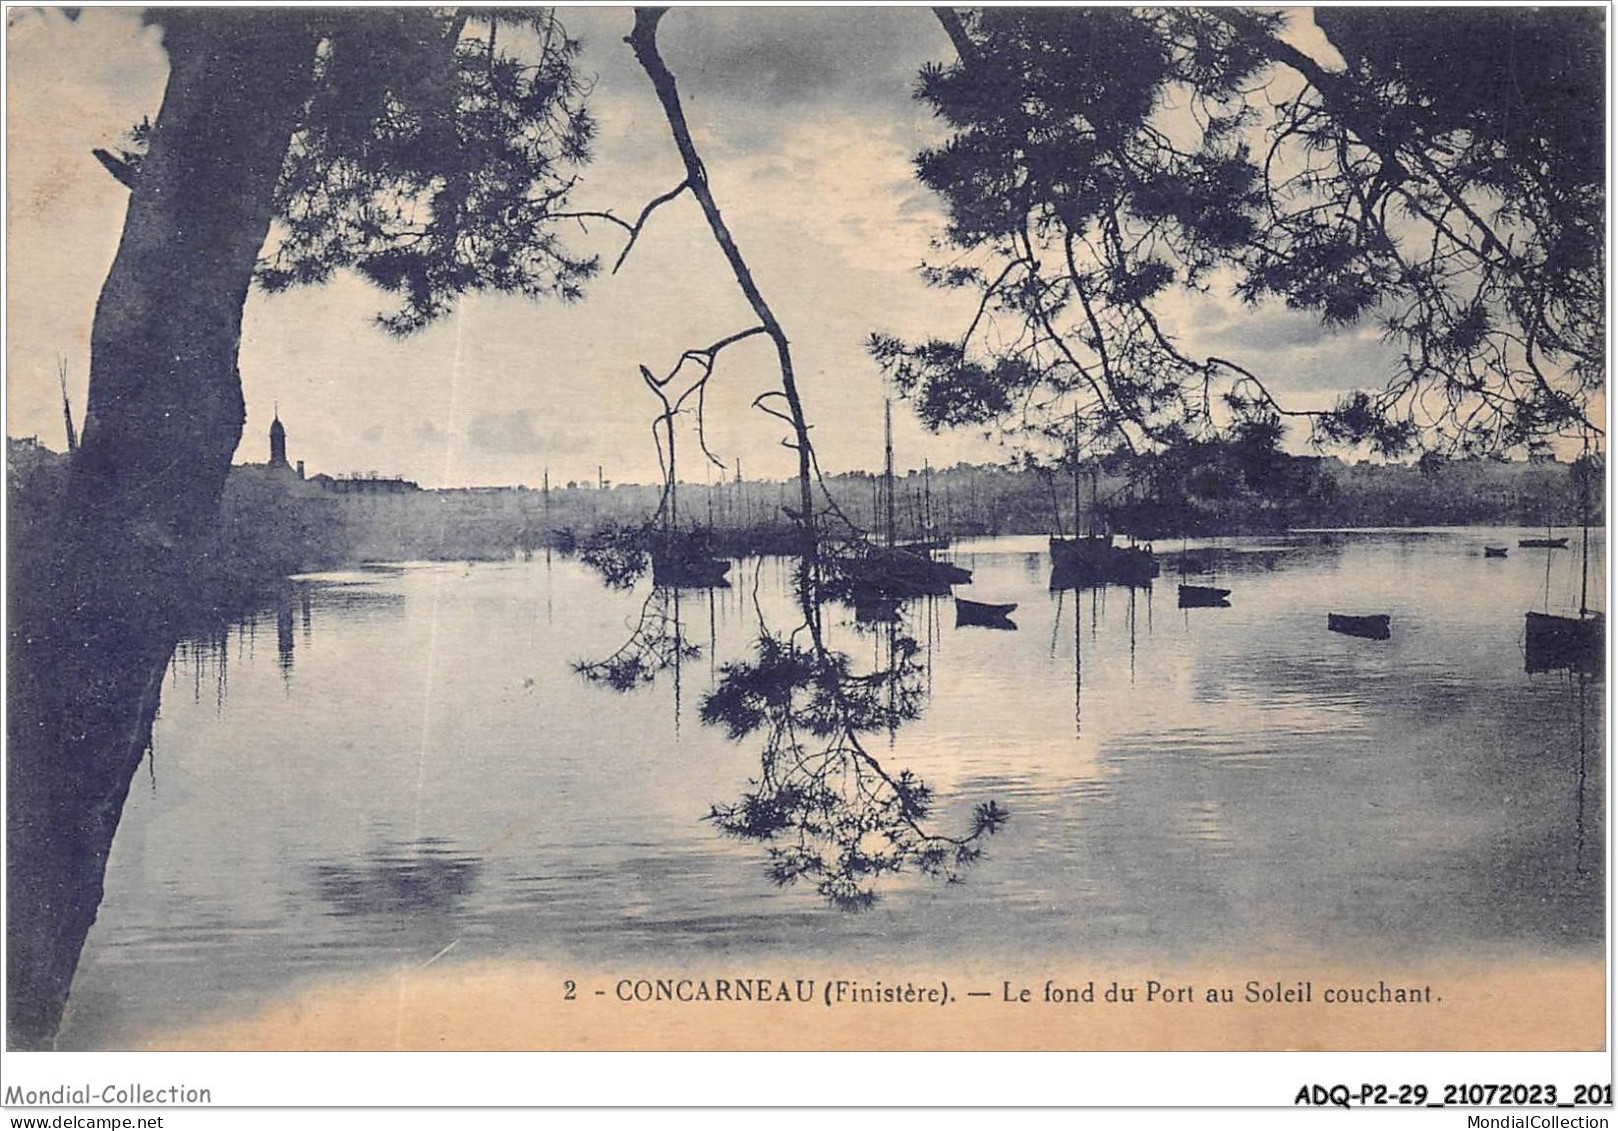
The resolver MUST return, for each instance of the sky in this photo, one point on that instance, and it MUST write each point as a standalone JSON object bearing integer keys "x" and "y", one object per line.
{"x": 806, "y": 122}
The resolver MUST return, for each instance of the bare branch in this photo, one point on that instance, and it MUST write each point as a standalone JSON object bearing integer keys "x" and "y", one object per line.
{"x": 643, "y": 40}
{"x": 122, "y": 169}
{"x": 640, "y": 222}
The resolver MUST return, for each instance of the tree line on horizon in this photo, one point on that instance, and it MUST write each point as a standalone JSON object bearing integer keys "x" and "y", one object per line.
{"x": 274, "y": 525}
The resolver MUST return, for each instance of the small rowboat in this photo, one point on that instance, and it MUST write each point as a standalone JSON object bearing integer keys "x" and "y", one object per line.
{"x": 982, "y": 615}
{"x": 1494, "y": 551}
{"x": 1543, "y": 543}
{"x": 1374, "y": 627}
{"x": 689, "y": 572}
{"x": 1203, "y": 597}
{"x": 874, "y": 609}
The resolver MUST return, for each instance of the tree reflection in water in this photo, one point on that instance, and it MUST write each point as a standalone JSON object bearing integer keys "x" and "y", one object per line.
{"x": 828, "y": 812}
{"x": 618, "y": 555}
{"x": 655, "y": 644}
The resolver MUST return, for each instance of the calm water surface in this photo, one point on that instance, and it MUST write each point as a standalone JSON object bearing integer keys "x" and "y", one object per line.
{"x": 403, "y": 763}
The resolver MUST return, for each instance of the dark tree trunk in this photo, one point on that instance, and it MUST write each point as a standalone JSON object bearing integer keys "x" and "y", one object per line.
{"x": 94, "y": 626}
{"x": 165, "y": 409}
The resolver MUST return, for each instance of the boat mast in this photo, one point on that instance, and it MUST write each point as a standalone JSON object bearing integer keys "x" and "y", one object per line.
{"x": 1095, "y": 474}
{"x": 674, "y": 484}
{"x": 1076, "y": 529}
{"x": 887, "y": 464}
{"x": 927, "y": 498}
{"x": 1584, "y": 520}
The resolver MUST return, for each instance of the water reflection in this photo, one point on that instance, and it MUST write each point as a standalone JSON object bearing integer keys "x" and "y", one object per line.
{"x": 1589, "y": 725}
{"x": 204, "y": 655}
{"x": 828, "y": 812}
{"x": 656, "y": 644}
{"x": 284, "y": 641}
{"x": 72, "y": 756}
{"x": 1228, "y": 781}
{"x": 429, "y": 877}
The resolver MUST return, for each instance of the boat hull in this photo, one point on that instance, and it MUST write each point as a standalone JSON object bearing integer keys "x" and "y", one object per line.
{"x": 1204, "y": 597}
{"x": 871, "y": 609}
{"x": 976, "y": 613}
{"x": 1543, "y": 543}
{"x": 690, "y": 573}
{"x": 894, "y": 573}
{"x": 1082, "y": 562}
{"x": 1374, "y": 627}
{"x": 1554, "y": 643}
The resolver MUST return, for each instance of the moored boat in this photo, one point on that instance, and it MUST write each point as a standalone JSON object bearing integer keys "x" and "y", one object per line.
{"x": 983, "y": 615}
{"x": 1204, "y": 597}
{"x": 890, "y": 570}
{"x": 1094, "y": 560}
{"x": 1577, "y": 642}
{"x": 1091, "y": 559}
{"x": 895, "y": 573}
{"x": 1542, "y": 543}
{"x": 978, "y": 612}
{"x": 689, "y": 571}
{"x": 1494, "y": 551}
{"x": 1372, "y": 627}
{"x": 1552, "y": 642}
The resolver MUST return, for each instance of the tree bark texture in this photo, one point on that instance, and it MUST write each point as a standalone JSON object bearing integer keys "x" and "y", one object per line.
{"x": 93, "y": 627}
{"x": 165, "y": 407}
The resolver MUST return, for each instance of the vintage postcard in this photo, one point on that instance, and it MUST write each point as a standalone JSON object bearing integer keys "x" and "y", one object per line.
{"x": 807, "y": 529}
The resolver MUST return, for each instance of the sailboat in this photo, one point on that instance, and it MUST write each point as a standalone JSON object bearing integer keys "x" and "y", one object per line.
{"x": 682, "y": 560}
{"x": 889, "y": 571}
{"x": 1553, "y": 642}
{"x": 930, "y": 539}
{"x": 1092, "y": 559}
{"x": 684, "y": 564}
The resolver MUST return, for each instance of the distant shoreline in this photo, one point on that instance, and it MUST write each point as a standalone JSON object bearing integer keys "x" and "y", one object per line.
{"x": 275, "y": 523}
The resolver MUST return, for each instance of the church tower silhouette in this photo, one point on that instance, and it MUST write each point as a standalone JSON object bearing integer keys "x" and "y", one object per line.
{"x": 278, "y": 441}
